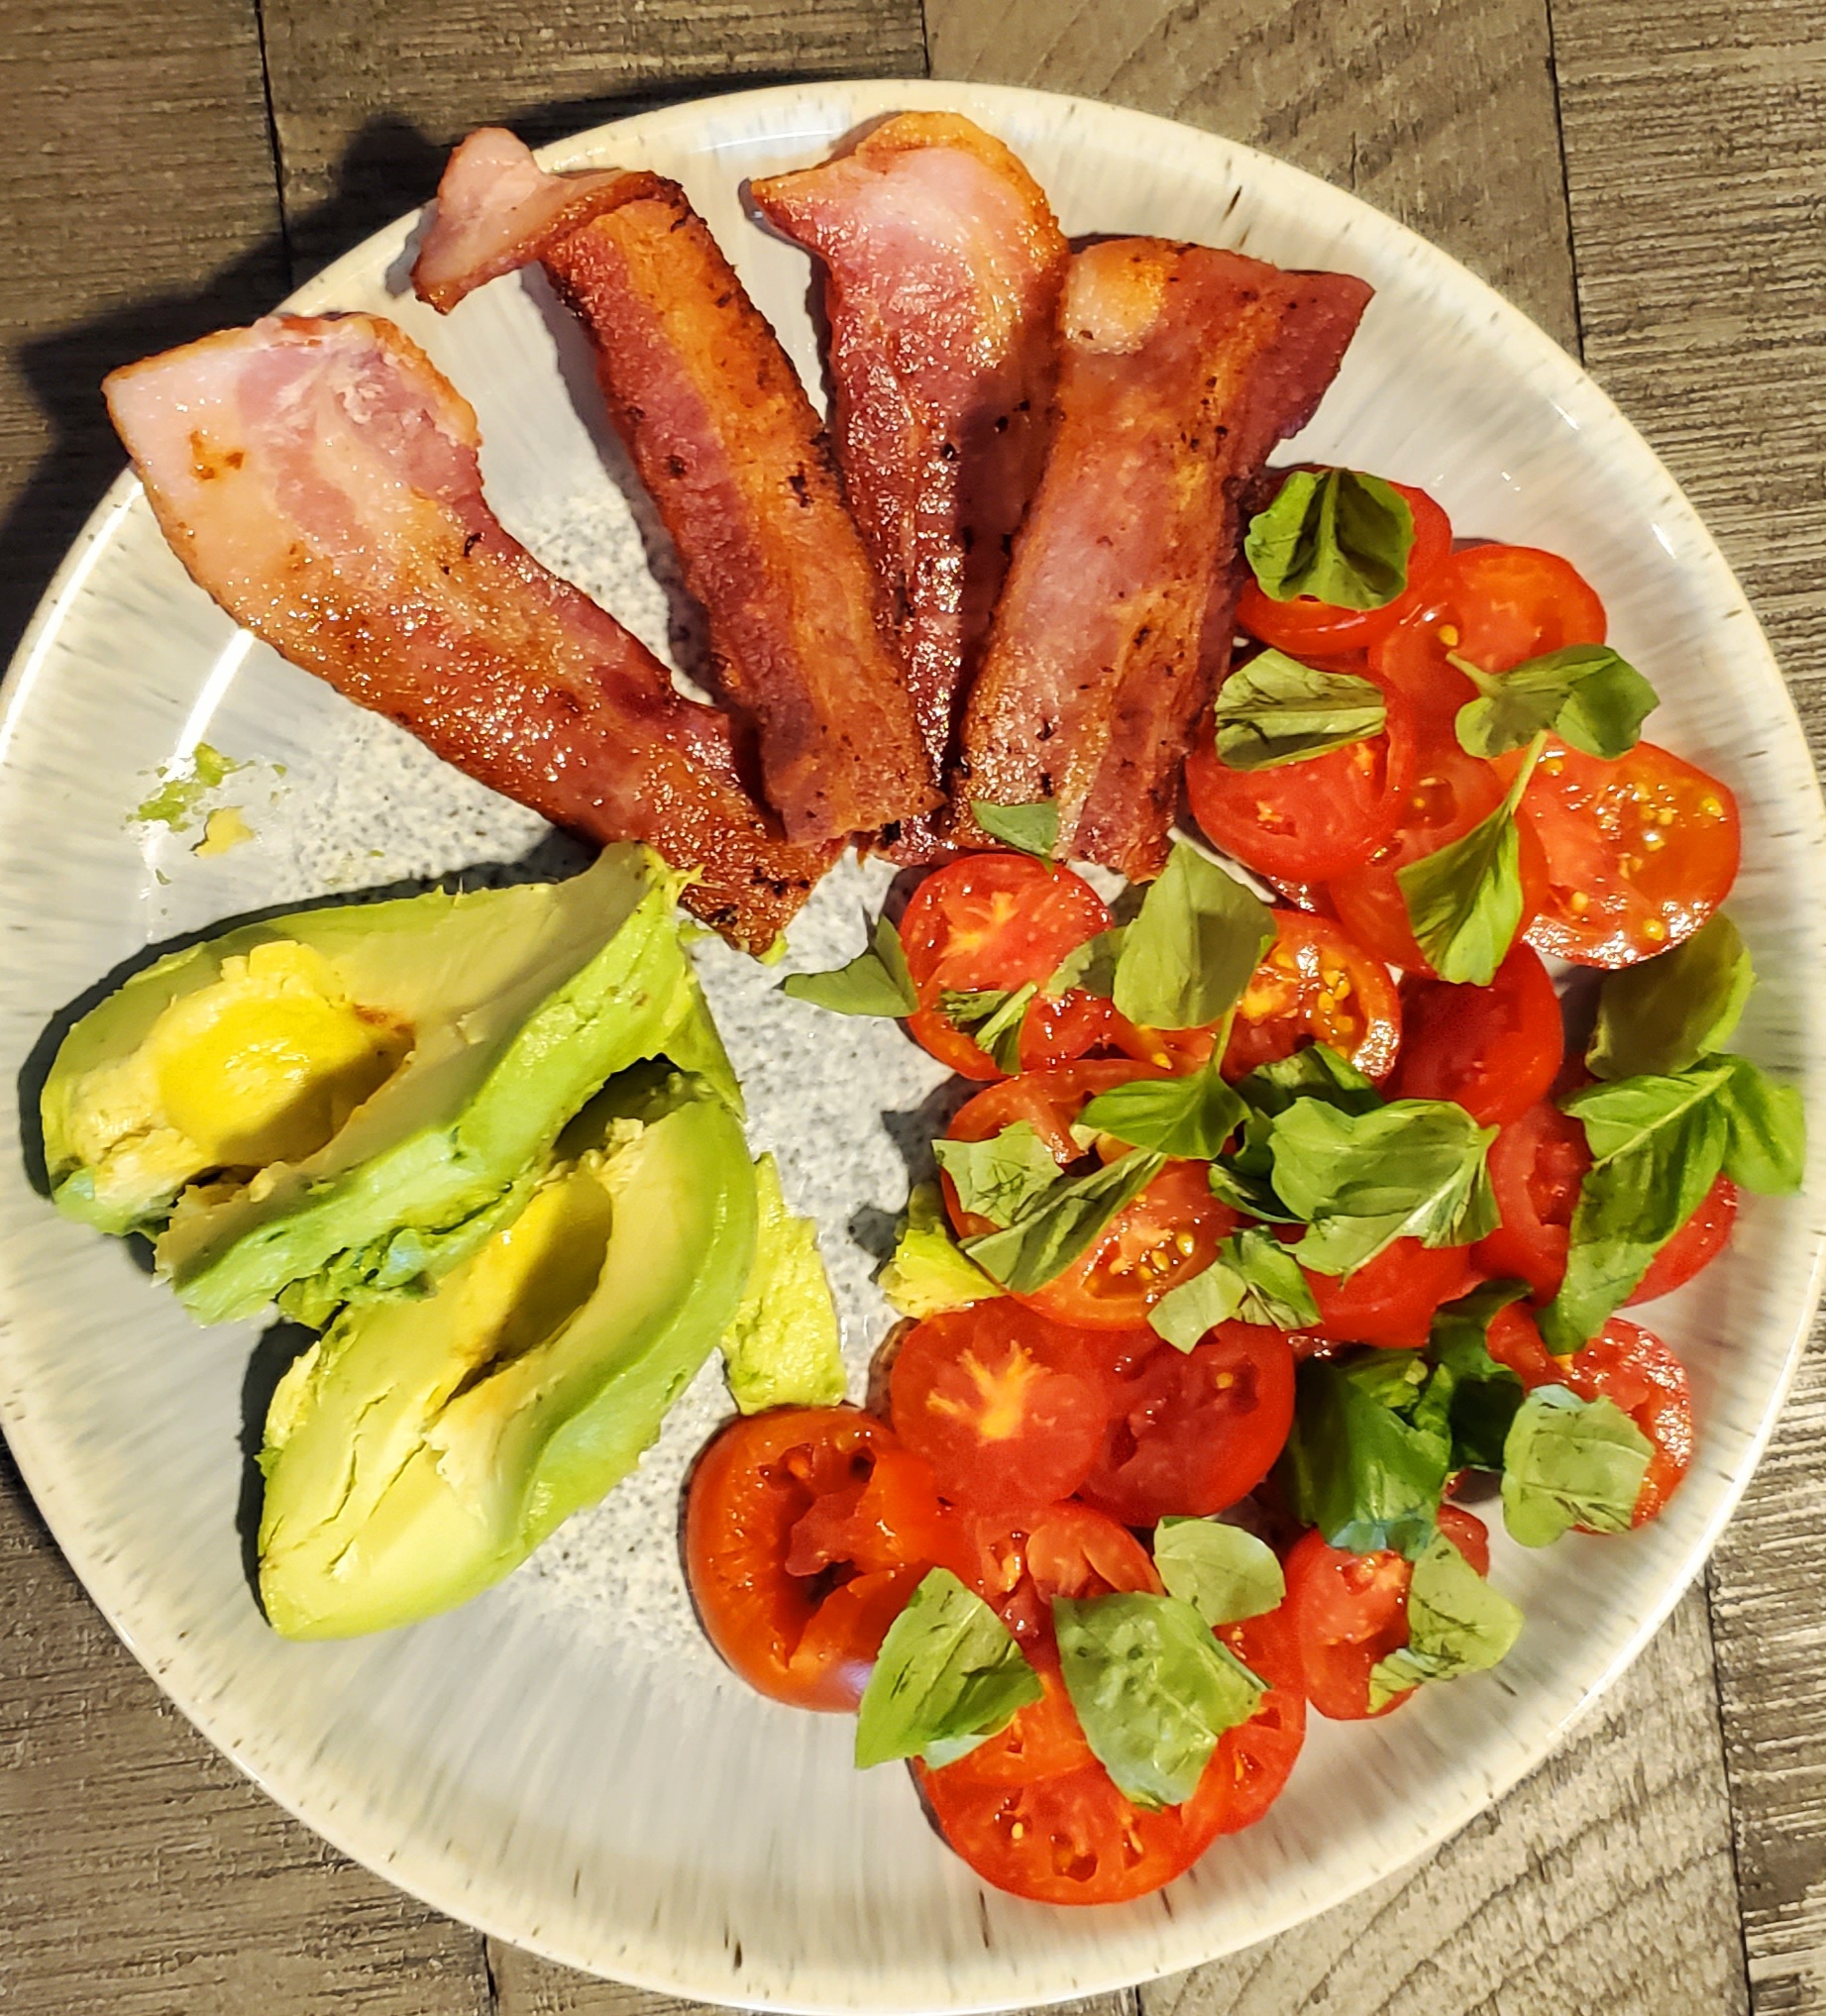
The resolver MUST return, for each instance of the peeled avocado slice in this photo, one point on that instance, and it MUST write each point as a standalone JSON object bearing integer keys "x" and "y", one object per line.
{"x": 421, "y": 1449}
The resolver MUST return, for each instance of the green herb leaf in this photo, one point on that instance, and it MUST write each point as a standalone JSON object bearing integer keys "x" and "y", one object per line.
{"x": 997, "y": 1177}
{"x": 1336, "y": 535}
{"x": 874, "y": 982}
{"x": 1028, "y": 829}
{"x": 1224, "y": 1573}
{"x": 929, "y": 1272}
{"x": 1370, "y": 1450}
{"x": 1465, "y": 900}
{"x": 1193, "y": 946}
{"x": 1765, "y": 1131}
{"x": 1585, "y": 695}
{"x": 990, "y": 1016}
{"x": 1191, "y": 1308}
{"x": 1315, "y": 1072}
{"x": 1090, "y": 966}
{"x": 1669, "y": 1011}
{"x": 948, "y": 1670}
{"x": 1484, "y": 1394}
{"x": 1058, "y": 1224}
{"x": 1456, "y": 1624}
{"x": 1276, "y": 710}
{"x": 1253, "y": 1279}
{"x": 1189, "y": 1117}
{"x": 1411, "y": 1169}
{"x": 1153, "y": 1690}
{"x": 1571, "y": 1463}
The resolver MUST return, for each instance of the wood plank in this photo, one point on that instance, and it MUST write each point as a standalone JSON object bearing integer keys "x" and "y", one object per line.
{"x": 367, "y": 100}
{"x": 1695, "y": 139}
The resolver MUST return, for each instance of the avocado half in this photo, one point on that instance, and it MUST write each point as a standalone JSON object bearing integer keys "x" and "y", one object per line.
{"x": 342, "y": 1103}
{"x": 420, "y": 1449}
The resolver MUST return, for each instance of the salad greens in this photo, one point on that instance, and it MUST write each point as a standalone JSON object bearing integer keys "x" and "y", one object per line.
{"x": 1276, "y": 710}
{"x": 1028, "y": 829}
{"x": 1193, "y": 946}
{"x": 1456, "y": 1624}
{"x": 995, "y": 1179}
{"x": 1224, "y": 1573}
{"x": 875, "y": 982}
{"x": 1585, "y": 695}
{"x": 1336, "y": 535}
{"x": 949, "y": 1673}
{"x": 1569, "y": 1462}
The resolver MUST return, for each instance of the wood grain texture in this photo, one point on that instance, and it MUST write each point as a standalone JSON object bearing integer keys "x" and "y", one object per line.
{"x": 367, "y": 99}
{"x": 1696, "y": 151}
{"x": 1440, "y": 112}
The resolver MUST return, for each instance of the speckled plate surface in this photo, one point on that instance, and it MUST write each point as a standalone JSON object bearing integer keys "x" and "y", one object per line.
{"x": 563, "y": 1762}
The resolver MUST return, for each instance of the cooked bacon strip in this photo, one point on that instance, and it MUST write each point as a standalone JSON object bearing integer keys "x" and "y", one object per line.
{"x": 943, "y": 265}
{"x": 724, "y": 438}
{"x": 319, "y": 478}
{"x": 1182, "y": 367}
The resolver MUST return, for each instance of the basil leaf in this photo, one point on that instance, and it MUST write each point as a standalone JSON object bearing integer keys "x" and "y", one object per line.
{"x": 1253, "y": 1279}
{"x": 1765, "y": 1131}
{"x": 1053, "y": 1228}
{"x": 1194, "y": 942}
{"x": 949, "y": 1668}
{"x": 1370, "y": 1450}
{"x": 1336, "y": 535}
{"x": 1585, "y": 695}
{"x": 1224, "y": 1573}
{"x": 1313, "y": 1072}
{"x": 1090, "y": 966}
{"x": 1484, "y": 1394}
{"x": 997, "y": 1177}
{"x": 1245, "y": 1178}
{"x": 1028, "y": 829}
{"x": 1465, "y": 900}
{"x": 1276, "y": 710}
{"x": 1571, "y": 1463}
{"x": 1456, "y": 1624}
{"x": 929, "y": 1272}
{"x": 1189, "y": 1117}
{"x": 1411, "y": 1169}
{"x": 874, "y": 982}
{"x": 1191, "y": 1308}
{"x": 990, "y": 1016}
{"x": 1153, "y": 1690}
{"x": 1670, "y": 1010}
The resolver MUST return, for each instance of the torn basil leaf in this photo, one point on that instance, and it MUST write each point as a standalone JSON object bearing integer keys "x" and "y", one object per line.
{"x": 1153, "y": 1690}
{"x": 1189, "y": 1117}
{"x": 1484, "y": 1394}
{"x": 1456, "y": 1624}
{"x": 1224, "y": 1573}
{"x": 1370, "y": 1450}
{"x": 1253, "y": 1279}
{"x": 1336, "y": 535}
{"x": 990, "y": 1016}
{"x": 1465, "y": 900}
{"x": 1571, "y": 1463}
{"x": 948, "y": 1670}
{"x": 998, "y": 1178}
{"x": 1028, "y": 829}
{"x": 927, "y": 1271}
{"x": 1276, "y": 710}
{"x": 1315, "y": 1071}
{"x": 1055, "y": 1227}
{"x": 1090, "y": 966}
{"x": 1765, "y": 1131}
{"x": 1193, "y": 1307}
{"x": 1194, "y": 943}
{"x": 1585, "y": 695}
{"x": 874, "y": 982}
{"x": 1670, "y": 1010}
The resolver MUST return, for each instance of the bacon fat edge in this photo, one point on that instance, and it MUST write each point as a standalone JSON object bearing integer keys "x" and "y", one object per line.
{"x": 726, "y": 442}
{"x": 319, "y": 478}
{"x": 1181, "y": 367}
{"x": 943, "y": 269}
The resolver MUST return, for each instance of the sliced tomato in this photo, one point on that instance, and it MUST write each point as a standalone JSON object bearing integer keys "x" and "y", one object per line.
{"x": 1303, "y": 626}
{"x": 1058, "y": 1030}
{"x": 1255, "y": 1759}
{"x": 1537, "y": 1164}
{"x": 1493, "y": 1049}
{"x": 1315, "y": 986}
{"x": 1390, "y": 1300}
{"x": 1697, "y": 1244}
{"x": 1192, "y": 1432}
{"x": 989, "y": 921}
{"x": 1495, "y": 606}
{"x": 1008, "y": 1408}
{"x": 1022, "y": 1560}
{"x": 1514, "y": 1340}
{"x": 1043, "y": 1740}
{"x": 1049, "y": 1100}
{"x": 1633, "y": 1369}
{"x": 806, "y": 1531}
{"x": 1306, "y": 821}
{"x": 1639, "y": 852}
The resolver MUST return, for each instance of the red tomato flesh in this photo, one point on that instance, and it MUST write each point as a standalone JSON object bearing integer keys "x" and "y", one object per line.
{"x": 1537, "y": 1164}
{"x": 1390, "y": 1300}
{"x": 1315, "y": 986}
{"x": 1494, "y": 1049}
{"x": 1633, "y": 1369}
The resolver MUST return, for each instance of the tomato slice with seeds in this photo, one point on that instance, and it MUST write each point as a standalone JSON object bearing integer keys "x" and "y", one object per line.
{"x": 1537, "y": 1164}
{"x": 1024, "y": 1559}
{"x": 1255, "y": 1759}
{"x": 1315, "y": 986}
{"x": 1639, "y": 852}
{"x": 1493, "y": 1049}
{"x": 1633, "y": 1369}
{"x": 989, "y": 921}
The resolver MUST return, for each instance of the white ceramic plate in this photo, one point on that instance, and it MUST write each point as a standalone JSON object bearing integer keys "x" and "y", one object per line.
{"x": 563, "y": 1762}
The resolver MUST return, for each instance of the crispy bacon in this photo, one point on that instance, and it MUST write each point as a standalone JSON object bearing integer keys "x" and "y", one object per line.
{"x": 319, "y": 478}
{"x": 1182, "y": 366}
{"x": 943, "y": 264}
{"x": 725, "y": 439}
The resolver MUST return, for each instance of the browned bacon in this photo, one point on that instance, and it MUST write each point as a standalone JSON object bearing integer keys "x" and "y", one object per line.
{"x": 724, "y": 438}
{"x": 1181, "y": 369}
{"x": 943, "y": 265}
{"x": 320, "y": 480}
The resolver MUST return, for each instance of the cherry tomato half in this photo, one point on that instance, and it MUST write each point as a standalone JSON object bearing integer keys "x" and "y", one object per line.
{"x": 1493, "y": 1049}
{"x": 1022, "y": 1560}
{"x": 1632, "y": 1368}
{"x": 1390, "y": 1300}
{"x": 1315, "y": 986}
{"x": 1537, "y": 1164}
{"x": 806, "y": 1531}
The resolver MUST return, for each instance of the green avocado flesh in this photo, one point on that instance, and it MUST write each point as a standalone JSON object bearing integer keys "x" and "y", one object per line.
{"x": 344, "y": 1103}
{"x": 422, "y": 1449}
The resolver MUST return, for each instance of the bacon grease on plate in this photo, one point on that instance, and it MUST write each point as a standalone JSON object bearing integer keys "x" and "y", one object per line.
{"x": 943, "y": 265}
{"x": 726, "y": 442}
{"x": 1181, "y": 367}
{"x": 319, "y": 478}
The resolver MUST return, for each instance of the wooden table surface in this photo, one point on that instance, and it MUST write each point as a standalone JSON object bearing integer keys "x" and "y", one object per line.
{"x": 1647, "y": 179}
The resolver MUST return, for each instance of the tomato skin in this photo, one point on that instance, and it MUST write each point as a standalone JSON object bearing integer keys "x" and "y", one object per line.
{"x": 1631, "y": 1367}
{"x": 1304, "y": 823}
{"x": 1056, "y": 1031}
{"x": 1022, "y": 1560}
{"x": 1303, "y": 626}
{"x": 1315, "y": 986}
{"x": 1049, "y": 1100}
{"x": 1639, "y": 852}
{"x": 1494, "y": 1049}
{"x": 1515, "y": 1340}
{"x": 1390, "y": 1300}
{"x": 1192, "y": 1432}
{"x": 1537, "y": 1164}
{"x": 775, "y": 1502}
{"x": 1697, "y": 1244}
{"x": 1007, "y": 1408}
